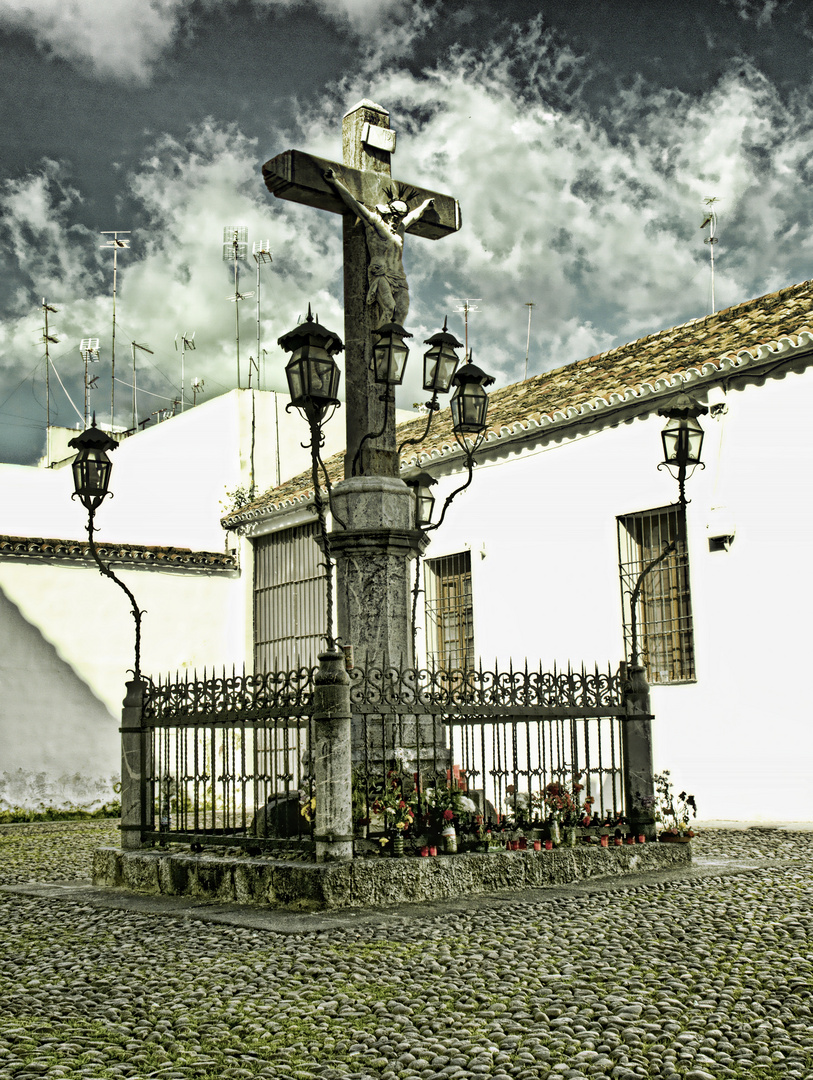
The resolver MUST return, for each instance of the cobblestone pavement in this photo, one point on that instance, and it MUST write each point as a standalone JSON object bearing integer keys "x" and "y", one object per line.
{"x": 702, "y": 977}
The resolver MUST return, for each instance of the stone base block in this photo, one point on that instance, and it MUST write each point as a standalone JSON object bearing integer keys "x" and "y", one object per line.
{"x": 377, "y": 882}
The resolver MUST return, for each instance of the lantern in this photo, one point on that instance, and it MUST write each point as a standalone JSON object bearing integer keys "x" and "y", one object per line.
{"x": 312, "y": 373}
{"x": 91, "y": 466}
{"x": 390, "y": 354}
{"x": 682, "y": 437}
{"x": 440, "y": 362}
{"x": 422, "y": 484}
{"x": 469, "y": 402}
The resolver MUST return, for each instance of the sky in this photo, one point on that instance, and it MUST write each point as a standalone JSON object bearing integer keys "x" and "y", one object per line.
{"x": 581, "y": 137}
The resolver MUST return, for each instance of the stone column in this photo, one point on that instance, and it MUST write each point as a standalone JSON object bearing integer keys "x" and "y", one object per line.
{"x": 373, "y": 559}
{"x": 636, "y": 747}
{"x": 364, "y": 407}
{"x": 331, "y": 755}
{"x": 133, "y": 766}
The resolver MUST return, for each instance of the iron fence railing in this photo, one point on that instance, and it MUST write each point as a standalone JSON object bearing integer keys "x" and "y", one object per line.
{"x": 228, "y": 758}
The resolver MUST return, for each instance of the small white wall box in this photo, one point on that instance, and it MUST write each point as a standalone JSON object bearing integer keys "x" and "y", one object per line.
{"x": 721, "y": 529}
{"x": 717, "y": 400}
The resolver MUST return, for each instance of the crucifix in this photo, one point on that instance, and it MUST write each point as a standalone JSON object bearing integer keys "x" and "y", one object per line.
{"x": 376, "y": 211}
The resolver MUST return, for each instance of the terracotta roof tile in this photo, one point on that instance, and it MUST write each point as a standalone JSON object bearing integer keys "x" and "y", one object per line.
{"x": 28, "y": 546}
{"x": 607, "y": 377}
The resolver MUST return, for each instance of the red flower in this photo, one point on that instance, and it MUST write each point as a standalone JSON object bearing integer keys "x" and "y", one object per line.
{"x": 448, "y": 815}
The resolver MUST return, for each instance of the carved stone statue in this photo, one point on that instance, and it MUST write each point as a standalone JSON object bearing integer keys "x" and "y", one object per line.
{"x": 384, "y": 229}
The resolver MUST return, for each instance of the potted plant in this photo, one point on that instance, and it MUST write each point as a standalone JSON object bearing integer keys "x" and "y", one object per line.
{"x": 673, "y": 812}
{"x": 447, "y": 806}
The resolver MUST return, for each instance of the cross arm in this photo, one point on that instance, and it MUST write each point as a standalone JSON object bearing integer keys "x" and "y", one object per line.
{"x": 299, "y": 177}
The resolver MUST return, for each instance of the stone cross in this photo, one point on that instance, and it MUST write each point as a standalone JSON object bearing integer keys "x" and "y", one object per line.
{"x": 368, "y": 144}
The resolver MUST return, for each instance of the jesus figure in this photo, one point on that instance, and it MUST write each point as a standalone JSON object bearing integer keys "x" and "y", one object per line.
{"x": 384, "y": 228}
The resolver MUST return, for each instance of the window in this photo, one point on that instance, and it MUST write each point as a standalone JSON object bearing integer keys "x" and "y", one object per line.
{"x": 663, "y": 612}
{"x": 449, "y": 613}
{"x": 289, "y": 599}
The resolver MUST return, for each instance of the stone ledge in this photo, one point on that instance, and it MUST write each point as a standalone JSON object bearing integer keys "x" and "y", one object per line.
{"x": 297, "y": 886}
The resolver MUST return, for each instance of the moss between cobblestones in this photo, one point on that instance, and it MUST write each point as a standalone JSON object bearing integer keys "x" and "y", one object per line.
{"x": 683, "y": 979}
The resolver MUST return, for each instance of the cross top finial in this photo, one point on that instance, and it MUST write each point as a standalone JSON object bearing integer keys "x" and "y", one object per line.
{"x": 365, "y": 103}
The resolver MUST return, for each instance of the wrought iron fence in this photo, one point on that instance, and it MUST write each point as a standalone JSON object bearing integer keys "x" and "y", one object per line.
{"x": 229, "y": 760}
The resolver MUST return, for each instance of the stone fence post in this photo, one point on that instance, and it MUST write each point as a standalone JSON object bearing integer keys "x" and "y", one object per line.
{"x": 133, "y": 766}
{"x": 331, "y": 755}
{"x": 636, "y": 741}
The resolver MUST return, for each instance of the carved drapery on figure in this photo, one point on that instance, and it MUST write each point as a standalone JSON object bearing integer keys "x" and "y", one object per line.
{"x": 385, "y": 227}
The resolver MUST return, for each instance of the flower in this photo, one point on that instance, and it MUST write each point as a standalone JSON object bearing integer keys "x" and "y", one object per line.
{"x": 448, "y": 814}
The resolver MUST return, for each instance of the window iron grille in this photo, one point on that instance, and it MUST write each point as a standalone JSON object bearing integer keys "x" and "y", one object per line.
{"x": 653, "y": 563}
{"x": 449, "y": 612}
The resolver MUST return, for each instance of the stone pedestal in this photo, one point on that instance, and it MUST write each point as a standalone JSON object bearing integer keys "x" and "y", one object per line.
{"x": 373, "y": 559}
{"x": 639, "y": 772}
{"x": 331, "y": 758}
{"x": 133, "y": 765}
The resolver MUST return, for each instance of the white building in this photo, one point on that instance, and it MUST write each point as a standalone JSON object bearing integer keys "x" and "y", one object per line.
{"x": 67, "y": 633}
{"x": 567, "y": 505}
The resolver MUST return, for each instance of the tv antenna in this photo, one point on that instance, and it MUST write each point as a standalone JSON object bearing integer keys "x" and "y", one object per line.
{"x": 116, "y": 245}
{"x": 143, "y": 348}
{"x": 468, "y": 305}
{"x": 235, "y": 250}
{"x": 710, "y": 220}
{"x": 197, "y": 388}
{"x": 530, "y": 305}
{"x": 187, "y": 342}
{"x": 89, "y": 349}
{"x": 48, "y": 339}
{"x": 262, "y": 256}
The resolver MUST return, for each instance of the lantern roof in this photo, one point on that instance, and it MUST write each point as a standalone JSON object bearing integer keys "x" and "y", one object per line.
{"x": 420, "y": 479}
{"x": 93, "y": 438}
{"x": 392, "y": 328}
{"x": 307, "y": 331}
{"x": 443, "y": 337}
{"x": 471, "y": 373}
{"x": 681, "y": 407}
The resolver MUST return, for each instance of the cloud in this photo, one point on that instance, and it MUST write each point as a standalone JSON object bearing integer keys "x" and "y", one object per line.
{"x": 118, "y": 39}
{"x": 124, "y": 40}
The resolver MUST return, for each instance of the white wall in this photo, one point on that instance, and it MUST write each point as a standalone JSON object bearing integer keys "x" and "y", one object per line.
{"x": 542, "y": 532}
{"x": 66, "y": 643}
{"x": 169, "y": 481}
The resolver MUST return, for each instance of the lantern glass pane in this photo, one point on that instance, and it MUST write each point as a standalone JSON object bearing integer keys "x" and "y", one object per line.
{"x": 439, "y": 365}
{"x": 469, "y": 405}
{"x": 390, "y": 357}
{"x": 695, "y": 442}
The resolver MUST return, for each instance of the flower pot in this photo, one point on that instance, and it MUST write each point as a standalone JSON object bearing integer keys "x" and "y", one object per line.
{"x": 548, "y": 845}
{"x": 514, "y": 845}
{"x": 523, "y": 843}
{"x": 425, "y": 850}
{"x": 674, "y": 838}
{"x": 630, "y": 840}
{"x": 555, "y": 832}
{"x": 617, "y": 841}
{"x": 398, "y": 846}
{"x": 449, "y": 840}
{"x": 537, "y": 845}
{"x": 604, "y": 840}
{"x": 641, "y": 838}
{"x": 433, "y": 850}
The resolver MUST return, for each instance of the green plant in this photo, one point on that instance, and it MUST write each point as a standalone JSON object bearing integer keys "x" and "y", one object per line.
{"x": 673, "y": 812}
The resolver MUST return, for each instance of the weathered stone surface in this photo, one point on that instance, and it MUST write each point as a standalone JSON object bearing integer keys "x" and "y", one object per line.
{"x": 370, "y": 882}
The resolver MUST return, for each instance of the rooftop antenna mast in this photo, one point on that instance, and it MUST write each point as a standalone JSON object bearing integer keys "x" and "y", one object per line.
{"x": 197, "y": 388}
{"x": 89, "y": 349}
{"x": 187, "y": 342}
{"x": 530, "y": 305}
{"x": 115, "y": 244}
{"x": 468, "y": 305}
{"x": 144, "y": 349}
{"x": 235, "y": 250}
{"x": 48, "y": 339}
{"x": 262, "y": 255}
{"x": 710, "y": 220}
